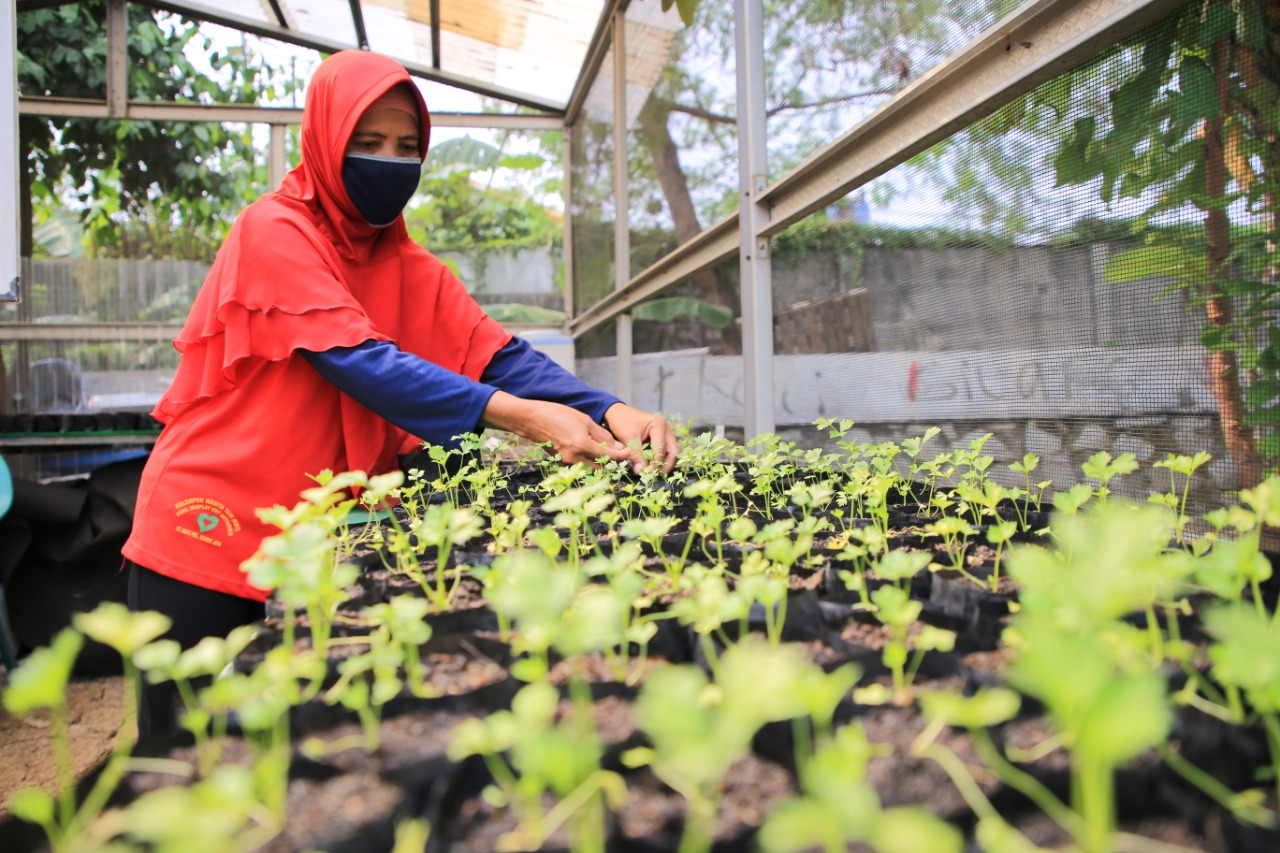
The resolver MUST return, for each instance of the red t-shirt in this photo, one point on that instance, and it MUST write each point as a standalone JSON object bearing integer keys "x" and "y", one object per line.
{"x": 246, "y": 418}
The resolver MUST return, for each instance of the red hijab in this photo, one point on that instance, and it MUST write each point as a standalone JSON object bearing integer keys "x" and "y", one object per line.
{"x": 247, "y": 419}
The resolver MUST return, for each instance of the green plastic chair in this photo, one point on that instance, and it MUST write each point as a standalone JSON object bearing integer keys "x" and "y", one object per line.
{"x": 8, "y": 654}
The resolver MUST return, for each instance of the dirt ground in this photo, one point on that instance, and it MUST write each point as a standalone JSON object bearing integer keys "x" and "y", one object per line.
{"x": 26, "y": 749}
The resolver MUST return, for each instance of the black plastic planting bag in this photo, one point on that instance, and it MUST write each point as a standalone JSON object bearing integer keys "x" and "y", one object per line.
{"x": 60, "y": 554}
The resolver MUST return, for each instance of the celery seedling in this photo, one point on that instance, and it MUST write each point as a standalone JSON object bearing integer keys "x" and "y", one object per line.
{"x": 529, "y": 754}
{"x": 698, "y": 729}
{"x": 898, "y": 611}
{"x": 1186, "y": 466}
{"x": 40, "y": 682}
{"x": 839, "y": 807}
{"x": 1246, "y": 656}
{"x": 1103, "y": 468}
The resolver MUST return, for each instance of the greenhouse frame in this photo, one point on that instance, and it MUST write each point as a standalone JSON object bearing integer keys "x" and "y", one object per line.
{"x": 967, "y": 317}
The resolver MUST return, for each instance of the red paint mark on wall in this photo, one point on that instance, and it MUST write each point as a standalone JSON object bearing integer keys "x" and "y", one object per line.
{"x": 913, "y": 380}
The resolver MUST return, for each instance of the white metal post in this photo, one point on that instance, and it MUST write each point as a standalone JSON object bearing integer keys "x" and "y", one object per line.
{"x": 753, "y": 176}
{"x": 117, "y": 58}
{"x": 567, "y": 242}
{"x": 277, "y": 162}
{"x": 621, "y": 229}
{"x": 9, "y": 206}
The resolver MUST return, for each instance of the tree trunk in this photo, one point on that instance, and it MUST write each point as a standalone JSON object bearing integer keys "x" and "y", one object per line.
{"x": 712, "y": 284}
{"x": 1224, "y": 374}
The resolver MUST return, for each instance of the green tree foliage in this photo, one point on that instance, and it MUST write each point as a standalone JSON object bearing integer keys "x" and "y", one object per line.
{"x": 459, "y": 208}
{"x": 1183, "y": 120}
{"x": 181, "y": 183}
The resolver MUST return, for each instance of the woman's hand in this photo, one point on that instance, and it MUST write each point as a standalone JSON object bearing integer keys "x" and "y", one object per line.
{"x": 570, "y": 433}
{"x": 636, "y": 428}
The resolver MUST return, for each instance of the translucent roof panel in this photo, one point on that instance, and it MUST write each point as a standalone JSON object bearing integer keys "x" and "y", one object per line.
{"x": 649, "y": 36}
{"x": 526, "y": 51}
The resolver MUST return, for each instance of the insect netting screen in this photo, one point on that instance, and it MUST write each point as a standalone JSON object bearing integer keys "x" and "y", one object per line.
{"x": 1090, "y": 268}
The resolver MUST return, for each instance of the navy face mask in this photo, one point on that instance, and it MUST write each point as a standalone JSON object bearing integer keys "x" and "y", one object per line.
{"x": 380, "y": 186}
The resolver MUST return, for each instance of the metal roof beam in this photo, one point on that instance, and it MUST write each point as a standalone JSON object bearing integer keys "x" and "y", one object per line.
{"x": 157, "y": 111}
{"x": 435, "y": 34}
{"x": 357, "y": 20}
{"x": 596, "y": 51}
{"x": 290, "y": 36}
{"x": 276, "y": 9}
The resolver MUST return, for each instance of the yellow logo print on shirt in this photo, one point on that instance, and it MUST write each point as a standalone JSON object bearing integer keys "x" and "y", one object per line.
{"x": 206, "y": 520}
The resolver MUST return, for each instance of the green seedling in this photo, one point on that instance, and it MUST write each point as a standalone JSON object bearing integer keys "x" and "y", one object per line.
{"x": 1174, "y": 499}
{"x": 507, "y": 529}
{"x": 300, "y": 564}
{"x": 867, "y": 545}
{"x": 443, "y": 526}
{"x": 1071, "y": 500}
{"x": 637, "y": 618}
{"x": 707, "y": 603}
{"x": 897, "y": 611}
{"x": 1105, "y": 710}
{"x": 40, "y": 683}
{"x": 955, "y": 533}
{"x": 1103, "y": 468}
{"x": 986, "y": 708}
{"x": 530, "y": 594}
{"x": 999, "y": 534}
{"x": 449, "y": 485}
{"x": 913, "y": 447}
{"x": 1246, "y": 659}
{"x": 1025, "y": 466}
{"x": 402, "y": 627}
{"x": 1232, "y": 566}
{"x": 218, "y": 814}
{"x": 652, "y": 531}
{"x": 574, "y": 508}
{"x": 530, "y": 754}
{"x": 366, "y": 682}
{"x": 940, "y": 467}
{"x": 261, "y": 701}
{"x": 899, "y": 567}
{"x": 971, "y": 464}
{"x": 165, "y": 660}
{"x": 1111, "y": 562}
{"x": 698, "y": 729}
{"x": 876, "y": 499}
{"x": 982, "y": 500}
{"x": 838, "y": 807}
{"x": 768, "y": 578}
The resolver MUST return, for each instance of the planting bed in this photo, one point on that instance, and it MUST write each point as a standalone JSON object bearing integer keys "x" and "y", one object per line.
{"x": 768, "y": 650}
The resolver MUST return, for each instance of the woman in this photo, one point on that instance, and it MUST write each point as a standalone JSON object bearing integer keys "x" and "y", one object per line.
{"x": 325, "y": 338}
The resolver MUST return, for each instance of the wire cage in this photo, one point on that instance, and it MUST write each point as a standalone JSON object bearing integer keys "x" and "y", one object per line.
{"x": 1051, "y": 258}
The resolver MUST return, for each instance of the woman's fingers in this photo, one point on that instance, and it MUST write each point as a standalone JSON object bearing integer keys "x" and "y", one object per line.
{"x": 637, "y": 428}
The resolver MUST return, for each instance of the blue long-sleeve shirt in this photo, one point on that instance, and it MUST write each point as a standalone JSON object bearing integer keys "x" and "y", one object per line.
{"x": 436, "y": 404}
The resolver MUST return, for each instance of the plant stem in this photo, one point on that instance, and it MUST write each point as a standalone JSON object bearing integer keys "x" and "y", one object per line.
{"x": 1272, "y": 724}
{"x": 62, "y": 759}
{"x": 699, "y": 823}
{"x": 1094, "y": 799}
{"x": 1023, "y": 782}
{"x": 1214, "y": 789}
{"x": 1154, "y": 635}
